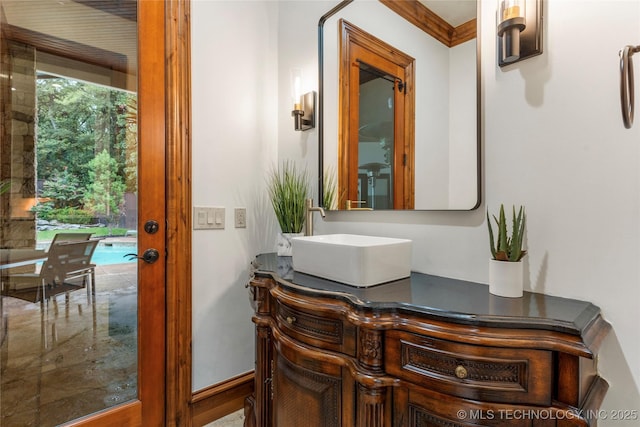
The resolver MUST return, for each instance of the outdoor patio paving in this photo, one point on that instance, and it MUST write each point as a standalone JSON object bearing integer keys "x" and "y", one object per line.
{"x": 72, "y": 356}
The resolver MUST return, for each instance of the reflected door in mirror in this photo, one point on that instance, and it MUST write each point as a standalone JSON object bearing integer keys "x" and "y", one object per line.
{"x": 376, "y": 143}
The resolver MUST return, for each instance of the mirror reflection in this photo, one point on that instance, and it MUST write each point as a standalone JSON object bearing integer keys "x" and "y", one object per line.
{"x": 401, "y": 134}
{"x": 375, "y": 138}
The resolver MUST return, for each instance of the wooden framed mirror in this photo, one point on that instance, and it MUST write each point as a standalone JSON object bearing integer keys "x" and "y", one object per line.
{"x": 426, "y": 154}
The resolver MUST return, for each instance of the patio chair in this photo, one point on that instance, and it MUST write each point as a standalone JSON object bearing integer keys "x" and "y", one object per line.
{"x": 69, "y": 237}
{"x": 65, "y": 261}
{"x": 29, "y": 268}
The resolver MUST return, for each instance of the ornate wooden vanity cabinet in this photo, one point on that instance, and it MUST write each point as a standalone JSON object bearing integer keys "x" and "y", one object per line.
{"x": 425, "y": 351}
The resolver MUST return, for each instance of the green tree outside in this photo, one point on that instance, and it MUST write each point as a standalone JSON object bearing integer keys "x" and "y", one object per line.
{"x": 86, "y": 147}
{"x": 105, "y": 193}
{"x": 63, "y": 189}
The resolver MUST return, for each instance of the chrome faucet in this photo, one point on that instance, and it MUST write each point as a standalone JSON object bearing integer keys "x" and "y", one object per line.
{"x": 309, "y": 210}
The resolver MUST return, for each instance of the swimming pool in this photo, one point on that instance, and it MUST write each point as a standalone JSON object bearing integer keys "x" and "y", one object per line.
{"x": 112, "y": 254}
{"x": 106, "y": 252}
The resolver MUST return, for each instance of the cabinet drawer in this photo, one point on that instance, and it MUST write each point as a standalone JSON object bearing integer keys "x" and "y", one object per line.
{"x": 419, "y": 407}
{"x": 322, "y": 331}
{"x": 475, "y": 372}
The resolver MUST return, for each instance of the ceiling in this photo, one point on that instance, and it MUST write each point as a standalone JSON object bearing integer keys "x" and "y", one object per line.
{"x": 99, "y": 32}
{"x": 455, "y": 12}
{"x": 103, "y": 32}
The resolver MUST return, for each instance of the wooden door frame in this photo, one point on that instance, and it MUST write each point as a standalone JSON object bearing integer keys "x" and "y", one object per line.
{"x": 178, "y": 211}
{"x": 165, "y": 62}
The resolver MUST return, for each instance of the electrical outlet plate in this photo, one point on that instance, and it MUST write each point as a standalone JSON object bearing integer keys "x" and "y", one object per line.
{"x": 240, "y": 215}
{"x": 205, "y": 218}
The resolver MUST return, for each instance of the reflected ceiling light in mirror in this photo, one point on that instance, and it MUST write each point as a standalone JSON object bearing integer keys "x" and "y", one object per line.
{"x": 519, "y": 30}
{"x": 304, "y": 105}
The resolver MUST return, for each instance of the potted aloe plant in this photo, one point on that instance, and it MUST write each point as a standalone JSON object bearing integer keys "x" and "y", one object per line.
{"x": 288, "y": 189}
{"x": 505, "y": 267}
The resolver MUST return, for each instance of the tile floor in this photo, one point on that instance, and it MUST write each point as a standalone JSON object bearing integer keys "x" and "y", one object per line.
{"x": 72, "y": 356}
{"x": 235, "y": 419}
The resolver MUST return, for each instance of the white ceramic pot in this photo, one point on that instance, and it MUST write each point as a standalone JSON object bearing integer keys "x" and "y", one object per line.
{"x": 283, "y": 243}
{"x": 505, "y": 278}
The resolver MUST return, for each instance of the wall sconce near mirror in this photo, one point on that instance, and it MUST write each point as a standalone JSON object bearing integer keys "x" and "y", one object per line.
{"x": 304, "y": 112}
{"x": 519, "y": 30}
{"x": 304, "y": 106}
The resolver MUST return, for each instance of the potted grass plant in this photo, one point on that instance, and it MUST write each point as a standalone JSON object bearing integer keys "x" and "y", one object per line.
{"x": 329, "y": 189}
{"x": 505, "y": 267}
{"x": 288, "y": 189}
{"x": 5, "y": 186}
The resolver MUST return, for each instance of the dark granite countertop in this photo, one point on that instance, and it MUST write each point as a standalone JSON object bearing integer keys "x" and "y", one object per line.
{"x": 442, "y": 298}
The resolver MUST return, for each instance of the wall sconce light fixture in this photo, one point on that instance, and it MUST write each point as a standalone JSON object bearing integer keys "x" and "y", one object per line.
{"x": 304, "y": 106}
{"x": 519, "y": 30}
{"x": 304, "y": 112}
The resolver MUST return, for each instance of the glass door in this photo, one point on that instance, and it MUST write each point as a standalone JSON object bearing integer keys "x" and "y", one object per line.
{"x": 74, "y": 336}
{"x": 375, "y": 138}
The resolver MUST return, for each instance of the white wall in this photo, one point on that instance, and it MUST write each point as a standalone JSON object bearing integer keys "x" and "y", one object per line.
{"x": 463, "y": 189}
{"x": 234, "y": 75}
{"x": 298, "y": 35}
{"x": 553, "y": 141}
{"x": 576, "y": 169}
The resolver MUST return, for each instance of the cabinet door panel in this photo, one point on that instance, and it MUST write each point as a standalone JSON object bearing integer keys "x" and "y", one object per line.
{"x": 311, "y": 397}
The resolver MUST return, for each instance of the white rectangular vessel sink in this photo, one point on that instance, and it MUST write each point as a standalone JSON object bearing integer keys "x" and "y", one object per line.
{"x": 352, "y": 259}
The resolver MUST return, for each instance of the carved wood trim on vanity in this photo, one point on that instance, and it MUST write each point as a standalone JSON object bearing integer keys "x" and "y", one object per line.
{"x": 403, "y": 367}
{"x": 371, "y": 349}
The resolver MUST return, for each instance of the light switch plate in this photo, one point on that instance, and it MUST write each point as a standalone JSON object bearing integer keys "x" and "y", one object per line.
{"x": 240, "y": 217}
{"x": 208, "y": 218}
